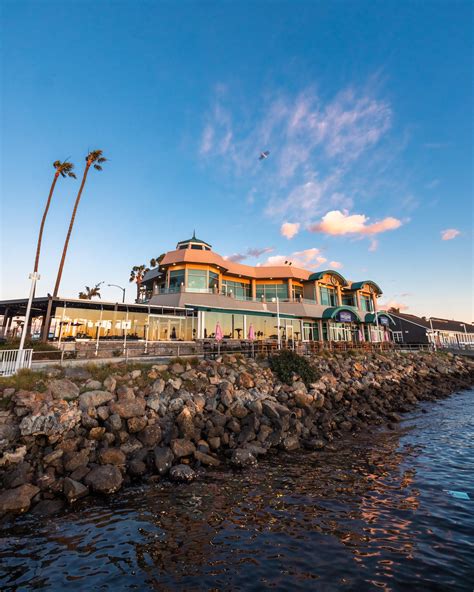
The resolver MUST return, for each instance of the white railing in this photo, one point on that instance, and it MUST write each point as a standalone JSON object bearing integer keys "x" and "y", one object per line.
{"x": 12, "y": 360}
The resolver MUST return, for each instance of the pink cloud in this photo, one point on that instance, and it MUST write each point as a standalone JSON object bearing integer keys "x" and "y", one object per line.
{"x": 290, "y": 229}
{"x": 335, "y": 265}
{"x": 401, "y": 306}
{"x": 337, "y": 223}
{"x": 252, "y": 252}
{"x": 449, "y": 234}
{"x": 307, "y": 259}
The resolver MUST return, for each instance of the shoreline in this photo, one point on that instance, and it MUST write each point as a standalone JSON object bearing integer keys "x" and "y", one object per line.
{"x": 71, "y": 432}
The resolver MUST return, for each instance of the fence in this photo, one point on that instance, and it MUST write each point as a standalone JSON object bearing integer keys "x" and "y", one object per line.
{"x": 12, "y": 360}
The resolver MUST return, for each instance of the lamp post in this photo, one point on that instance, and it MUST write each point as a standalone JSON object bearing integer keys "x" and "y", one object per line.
{"x": 34, "y": 277}
{"x": 465, "y": 332}
{"x": 120, "y": 288}
{"x": 277, "y": 300}
{"x": 433, "y": 335}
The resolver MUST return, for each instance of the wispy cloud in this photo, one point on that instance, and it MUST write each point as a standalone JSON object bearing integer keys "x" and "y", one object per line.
{"x": 290, "y": 229}
{"x": 337, "y": 223}
{"x": 432, "y": 184}
{"x": 251, "y": 252}
{"x": 335, "y": 265}
{"x": 395, "y": 304}
{"x": 306, "y": 259}
{"x": 450, "y": 234}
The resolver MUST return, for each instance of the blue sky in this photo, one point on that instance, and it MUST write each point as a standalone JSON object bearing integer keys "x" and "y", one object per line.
{"x": 366, "y": 109}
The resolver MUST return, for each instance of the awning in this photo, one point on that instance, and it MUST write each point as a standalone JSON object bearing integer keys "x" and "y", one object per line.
{"x": 342, "y": 314}
{"x": 383, "y": 318}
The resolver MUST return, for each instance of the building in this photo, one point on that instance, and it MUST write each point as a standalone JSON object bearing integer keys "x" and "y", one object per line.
{"x": 411, "y": 329}
{"x": 283, "y": 301}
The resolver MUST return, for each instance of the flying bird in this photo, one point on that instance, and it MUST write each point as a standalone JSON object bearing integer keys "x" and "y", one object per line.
{"x": 264, "y": 155}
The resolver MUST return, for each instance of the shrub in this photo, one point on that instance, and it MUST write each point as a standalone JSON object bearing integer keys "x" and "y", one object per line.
{"x": 287, "y": 362}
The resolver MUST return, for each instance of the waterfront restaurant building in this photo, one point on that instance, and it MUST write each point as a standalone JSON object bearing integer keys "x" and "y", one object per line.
{"x": 310, "y": 306}
{"x": 194, "y": 288}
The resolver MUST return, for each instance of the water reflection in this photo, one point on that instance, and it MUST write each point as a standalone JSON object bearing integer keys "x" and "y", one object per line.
{"x": 371, "y": 514}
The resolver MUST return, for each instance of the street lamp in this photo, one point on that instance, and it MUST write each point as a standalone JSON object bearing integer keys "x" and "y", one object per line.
{"x": 277, "y": 300}
{"x": 120, "y": 288}
{"x": 34, "y": 277}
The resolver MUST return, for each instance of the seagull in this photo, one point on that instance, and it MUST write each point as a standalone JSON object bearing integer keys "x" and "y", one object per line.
{"x": 264, "y": 155}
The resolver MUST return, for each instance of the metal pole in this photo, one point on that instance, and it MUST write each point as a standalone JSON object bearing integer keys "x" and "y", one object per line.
{"x": 125, "y": 333}
{"x": 34, "y": 277}
{"x": 120, "y": 288}
{"x": 98, "y": 332}
{"x": 432, "y": 335}
{"x": 278, "y": 323}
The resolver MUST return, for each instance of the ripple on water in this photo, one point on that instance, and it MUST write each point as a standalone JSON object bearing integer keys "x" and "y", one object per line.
{"x": 372, "y": 514}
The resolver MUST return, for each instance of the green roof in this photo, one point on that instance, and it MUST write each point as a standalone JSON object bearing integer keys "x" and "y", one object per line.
{"x": 319, "y": 274}
{"x": 330, "y": 313}
{"x": 370, "y": 316}
{"x": 359, "y": 285}
{"x": 194, "y": 239}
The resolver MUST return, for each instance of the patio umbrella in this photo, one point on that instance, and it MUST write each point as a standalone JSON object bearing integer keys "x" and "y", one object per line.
{"x": 361, "y": 335}
{"x": 251, "y": 337}
{"x": 219, "y": 336}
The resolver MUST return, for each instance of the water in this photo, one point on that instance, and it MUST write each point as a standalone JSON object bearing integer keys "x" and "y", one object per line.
{"x": 373, "y": 514}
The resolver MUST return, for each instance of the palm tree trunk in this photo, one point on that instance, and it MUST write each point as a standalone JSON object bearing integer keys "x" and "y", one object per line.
{"x": 71, "y": 224}
{"x": 138, "y": 289}
{"x": 40, "y": 237}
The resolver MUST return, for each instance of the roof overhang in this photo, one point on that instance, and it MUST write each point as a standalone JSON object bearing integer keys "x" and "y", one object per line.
{"x": 334, "y": 312}
{"x": 359, "y": 285}
{"x": 320, "y": 274}
{"x": 370, "y": 317}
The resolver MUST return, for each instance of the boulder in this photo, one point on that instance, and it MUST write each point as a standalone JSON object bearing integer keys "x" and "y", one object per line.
{"x": 18, "y": 500}
{"x": 242, "y": 458}
{"x": 182, "y": 474}
{"x": 77, "y": 373}
{"x": 48, "y": 507}
{"x": 163, "y": 460}
{"x": 150, "y": 436}
{"x": 74, "y": 460}
{"x": 73, "y": 490}
{"x": 104, "y": 479}
{"x": 94, "y": 399}
{"x": 110, "y": 383}
{"x": 185, "y": 423}
{"x": 290, "y": 443}
{"x": 97, "y": 433}
{"x": 129, "y": 408}
{"x": 52, "y": 423}
{"x": 63, "y": 389}
{"x": 177, "y": 368}
{"x": 181, "y": 447}
{"x": 112, "y": 456}
{"x": 136, "y": 424}
{"x": 206, "y": 459}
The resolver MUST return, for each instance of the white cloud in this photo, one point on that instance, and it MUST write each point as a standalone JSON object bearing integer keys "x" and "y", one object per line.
{"x": 337, "y": 223}
{"x": 290, "y": 229}
{"x": 449, "y": 234}
{"x": 401, "y": 306}
{"x": 335, "y": 265}
{"x": 307, "y": 259}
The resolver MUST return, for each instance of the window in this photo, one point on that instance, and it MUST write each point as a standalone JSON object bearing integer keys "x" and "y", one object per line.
{"x": 366, "y": 303}
{"x": 348, "y": 300}
{"x": 176, "y": 278}
{"x": 297, "y": 292}
{"x": 197, "y": 280}
{"x": 328, "y": 296}
{"x": 270, "y": 291}
{"x": 213, "y": 280}
{"x": 239, "y": 290}
{"x": 197, "y": 247}
{"x": 397, "y": 336}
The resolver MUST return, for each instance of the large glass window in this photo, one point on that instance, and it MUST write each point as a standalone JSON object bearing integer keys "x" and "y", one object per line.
{"x": 310, "y": 331}
{"x": 197, "y": 280}
{"x": 297, "y": 292}
{"x": 328, "y": 296}
{"x": 269, "y": 291}
{"x": 176, "y": 278}
{"x": 213, "y": 280}
{"x": 366, "y": 303}
{"x": 239, "y": 290}
{"x": 348, "y": 300}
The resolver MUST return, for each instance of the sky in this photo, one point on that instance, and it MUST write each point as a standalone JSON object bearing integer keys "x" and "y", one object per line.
{"x": 366, "y": 109}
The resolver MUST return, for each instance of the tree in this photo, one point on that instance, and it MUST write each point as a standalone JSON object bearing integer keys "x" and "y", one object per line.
{"x": 65, "y": 170}
{"x": 155, "y": 261}
{"x": 95, "y": 159}
{"x": 90, "y": 293}
{"x": 136, "y": 275}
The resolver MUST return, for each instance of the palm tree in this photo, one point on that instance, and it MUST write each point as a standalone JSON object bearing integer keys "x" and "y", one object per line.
{"x": 65, "y": 170}
{"x": 155, "y": 261}
{"x": 96, "y": 159}
{"x": 90, "y": 293}
{"x": 136, "y": 275}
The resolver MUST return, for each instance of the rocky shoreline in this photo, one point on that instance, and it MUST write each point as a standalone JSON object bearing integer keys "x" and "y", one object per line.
{"x": 76, "y": 431}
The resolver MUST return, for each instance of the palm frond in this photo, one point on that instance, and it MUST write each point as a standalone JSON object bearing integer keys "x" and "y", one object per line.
{"x": 98, "y": 167}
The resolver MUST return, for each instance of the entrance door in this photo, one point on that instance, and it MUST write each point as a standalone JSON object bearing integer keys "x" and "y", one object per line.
{"x": 290, "y": 338}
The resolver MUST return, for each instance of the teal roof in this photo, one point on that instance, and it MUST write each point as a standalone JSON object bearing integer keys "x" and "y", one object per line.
{"x": 194, "y": 239}
{"x": 370, "y": 316}
{"x": 330, "y": 313}
{"x": 359, "y": 285}
{"x": 319, "y": 274}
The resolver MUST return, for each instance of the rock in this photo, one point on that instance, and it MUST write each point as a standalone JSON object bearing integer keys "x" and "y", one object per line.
{"x": 114, "y": 422}
{"x": 182, "y": 474}
{"x": 128, "y": 409}
{"x": 158, "y": 386}
{"x": 181, "y": 447}
{"x": 53, "y": 456}
{"x": 112, "y": 456}
{"x": 93, "y": 385}
{"x": 63, "y": 389}
{"x": 136, "y": 424}
{"x": 48, "y": 507}
{"x": 163, "y": 460}
{"x": 176, "y": 383}
{"x": 73, "y": 490}
{"x": 94, "y": 399}
{"x": 96, "y": 433}
{"x": 214, "y": 443}
{"x": 104, "y": 479}
{"x": 303, "y": 400}
{"x": 73, "y": 460}
{"x": 150, "y": 436}
{"x": 136, "y": 468}
{"x": 314, "y": 444}
{"x": 206, "y": 459}
{"x": 51, "y": 423}
{"x": 77, "y": 373}
{"x": 176, "y": 405}
{"x": 239, "y": 410}
{"x": 110, "y": 383}
{"x": 80, "y": 473}
{"x": 17, "y": 500}
{"x": 103, "y": 412}
{"x": 185, "y": 423}
{"x": 12, "y": 458}
{"x": 290, "y": 443}
{"x": 242, "y": 458}
{"x": 245, "y": 380}
{"x": 134, "y": 374}
{"x": 176, "y": 368}
{"x": 125, "y": 393}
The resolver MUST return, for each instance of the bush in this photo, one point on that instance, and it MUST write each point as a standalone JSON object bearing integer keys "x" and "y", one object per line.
{"x": 287, "y": 362}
